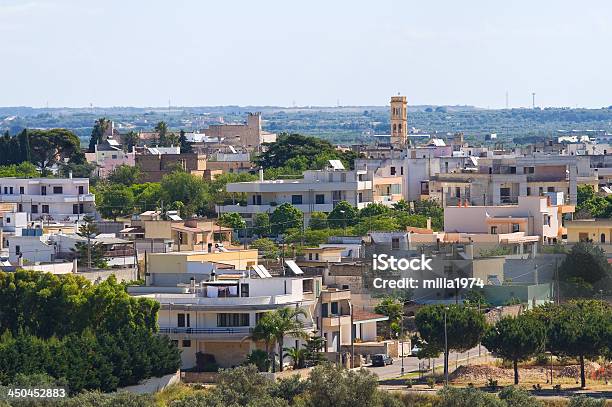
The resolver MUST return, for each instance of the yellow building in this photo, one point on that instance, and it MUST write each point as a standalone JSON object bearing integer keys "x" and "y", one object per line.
{"x": 597, "y": 230}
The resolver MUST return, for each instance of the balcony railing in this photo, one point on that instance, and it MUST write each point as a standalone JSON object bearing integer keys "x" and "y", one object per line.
{"x": 207, "y": 331}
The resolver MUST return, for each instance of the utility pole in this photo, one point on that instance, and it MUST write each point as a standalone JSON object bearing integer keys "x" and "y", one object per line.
{"x": 445, "y": 349}
{"x": 533, "y": 100}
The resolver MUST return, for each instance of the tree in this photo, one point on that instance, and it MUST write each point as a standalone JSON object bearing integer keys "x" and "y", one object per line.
{"x": 185, "y": 145}
{"x": 393, "y": 309}
{"x": 147, "y": 196}
{"x": 401, "y": 206}
{"x": 318, "y": 221}
{"x": 265, "y": 330}
{"x": 286, "y": 322}
{"x": 476, "y": 298}
{"x": 464, "y": 326}
{"x": 467, "y": 397}
{"x": 115, "y": 200}
{"x": 259, "y": 358}
{"x": 82, "y": 170}
{"x": 314, "y": 347}
{"x": 297, "y": 355}
{"x": 125, "y": 174}
{"x": 97, "y": 133}
{"x": 585, "y": 271}
{"x": 91, "y": 252}
{"x": 232, "y": 220}
{"x": 23, "y": 170}
{"x": 516, "y": 339}
{"x": 285, "y": 216}
{"x": 581, "y": 329}
{"x": 161, "y": 128}
{"x": 261, "y": 224}
{"x": 187, "y": 189}
{"x": 289, "y": 146}
{"x": 48, "y": 147}
{"x": 374, "y": 209}
{"x": 130, "y": 140}
{"x": 344, "y": 214}
{"x": 266, "y": 247}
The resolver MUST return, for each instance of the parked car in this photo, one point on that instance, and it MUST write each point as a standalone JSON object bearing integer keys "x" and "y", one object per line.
{"x": 415, "y": 350}
{"x": 381, "y": 360}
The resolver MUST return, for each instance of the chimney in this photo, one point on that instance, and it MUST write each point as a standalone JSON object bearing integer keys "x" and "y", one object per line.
{"x": 429, "y": 222}
{"x": 70, "y": 174}
{"x": 261, "y": 175}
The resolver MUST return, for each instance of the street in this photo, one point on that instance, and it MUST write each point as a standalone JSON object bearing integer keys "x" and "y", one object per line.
{"x": 411, "y": 363}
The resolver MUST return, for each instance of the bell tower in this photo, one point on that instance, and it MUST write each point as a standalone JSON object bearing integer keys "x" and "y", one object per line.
{"x": 399, "y": 121}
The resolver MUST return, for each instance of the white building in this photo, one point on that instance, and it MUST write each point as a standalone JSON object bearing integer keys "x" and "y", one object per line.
{"x": 59, "y": 199}
{"x": 318, "y": 191}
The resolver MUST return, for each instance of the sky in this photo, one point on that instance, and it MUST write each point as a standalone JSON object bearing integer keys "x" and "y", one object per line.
{"x": 317, "y": 52}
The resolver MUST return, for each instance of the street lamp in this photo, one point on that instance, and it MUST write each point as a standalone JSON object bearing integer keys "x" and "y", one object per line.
{"x": 402, "y": 334}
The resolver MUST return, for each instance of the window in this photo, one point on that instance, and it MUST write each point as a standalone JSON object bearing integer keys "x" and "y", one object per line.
{"x": 75, "y": 209}
{"x": 186, "y": 343}
{"x": 515, "y": 227}
{"x": 345, "y": 286}
{"x": 512, "y": 170}
{"x": 21, "y": 190}
{"x": 395, "y": 243}
{"x": 20, "y": 207}
{"x": 316, "y": 256}
{"x": 43, "y": 190}
{"x": 583, "y": 237}
{"x": 183, "y": 320}
{"x": 45, "y": 209}
{"x": 309, "y": 256}
{"x": 602, "y": 238}
{"x": 319, "y": 199}
{"x": 244, "y": 290}
{"x": 396, "y": 189}
{"x": 18, "y": 250}
{"x": 296, "y": 199}
{"x": 551, "y": 189}
{"x": 529, "y": 170}
{"x": 360, "y": 197}
{"x": 8, "y": 220}
{"x": 11, "y": 190}
{"x": 34, "y": 208}
{"x": 81, "y": 190}
{"x": 546, "y": 220}
{"x": 325, "y": 310}
{"x": 392, "y": 170}
{"x": 458, "y": 192}
{"x": 58, "y": 190}
{"x": 528, "y": 191}
{"x": 493, "y": 230}
{"x": 334, "y": 308}
{"x": 229, "y": 320}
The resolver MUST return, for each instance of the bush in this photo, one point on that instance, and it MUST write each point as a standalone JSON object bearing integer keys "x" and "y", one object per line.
{"x": 516, "y": 397}
{"x": 584, "y": 401}
{"x": 455, "y": 397}
{"x": 205, "y": 362}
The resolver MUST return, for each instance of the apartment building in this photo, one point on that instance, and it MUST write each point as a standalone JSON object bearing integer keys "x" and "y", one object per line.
{"x": 543, "y": 217}
{"x": 49, "y": 199}
{"x": 597, "y": 230}
{"x": 318, "y": 191}
{"x": 503, "y": 179}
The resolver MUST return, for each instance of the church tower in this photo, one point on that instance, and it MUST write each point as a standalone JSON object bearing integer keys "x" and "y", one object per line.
{"x": 399, "y": 121}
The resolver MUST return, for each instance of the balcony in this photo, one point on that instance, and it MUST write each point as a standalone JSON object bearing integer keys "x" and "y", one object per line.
{"x": 190, "y": 300}
{"x": 336, "y": 320}
{"x": 50, "y": 198}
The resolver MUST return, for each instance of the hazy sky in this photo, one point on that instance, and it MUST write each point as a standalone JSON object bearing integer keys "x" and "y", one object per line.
{"x": 314, "y": 52}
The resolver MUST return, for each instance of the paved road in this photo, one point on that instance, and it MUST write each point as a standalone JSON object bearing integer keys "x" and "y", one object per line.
{"x": 411, "y": 363}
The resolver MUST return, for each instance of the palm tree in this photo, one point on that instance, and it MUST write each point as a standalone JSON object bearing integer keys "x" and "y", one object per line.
{"x": 286, "y": 322}
{"x": 265, "y": 331}
{"x": 297, "y": 355}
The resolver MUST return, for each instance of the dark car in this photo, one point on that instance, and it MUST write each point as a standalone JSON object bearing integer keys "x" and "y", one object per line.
{"x": 381, "y": 360}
